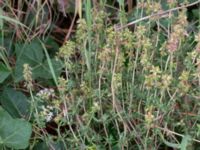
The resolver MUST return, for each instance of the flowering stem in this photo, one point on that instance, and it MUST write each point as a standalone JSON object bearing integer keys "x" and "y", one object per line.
{"x": 133, "y": 77}
{"x": 160, "y": 14}
{"x": 34, "y": 106}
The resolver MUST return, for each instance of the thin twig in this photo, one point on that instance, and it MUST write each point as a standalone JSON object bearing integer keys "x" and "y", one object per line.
{"x": 175, "y": 133}
{"x": 70, "y": 28}
{"x": 161, "y": 14}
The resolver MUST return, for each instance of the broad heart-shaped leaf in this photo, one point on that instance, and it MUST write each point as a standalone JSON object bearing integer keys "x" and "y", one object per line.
{"x": 33, "y": 55}
{"x": 14, "y": 133}
{"x": 44, "y": 72}
{"x": 15, "y": 102}
{"x": 4, "y": 72}
{"x": 31, "y": 52}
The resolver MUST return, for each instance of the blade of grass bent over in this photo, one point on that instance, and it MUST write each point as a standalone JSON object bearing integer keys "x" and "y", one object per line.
{"x": 50, "y": 64}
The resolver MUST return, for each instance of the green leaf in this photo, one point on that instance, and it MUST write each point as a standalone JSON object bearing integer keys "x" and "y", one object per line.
{"x": 196, "y": 13}
{"x": 183, "y": 1}
{"x": 185, "y": 142}
{"x": 1, "y": 20}
{"x": 43, "y": 146}
{"x": 16, "y": 103}
{"x": 33, "y": 55}
{"x": 11, "y": 20}
{"x": 4, "y": 72}
{"x": 51, "y": 45}
{"x": 31, "y": 52}
{"x": 121, "y": 2}
{"x": 173, "y": 145}
{"x": 14, "y": 133}
{"x": 44, "y": 71}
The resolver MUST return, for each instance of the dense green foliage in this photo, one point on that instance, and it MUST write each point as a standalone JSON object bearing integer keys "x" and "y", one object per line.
{"x": 123, "y": 75}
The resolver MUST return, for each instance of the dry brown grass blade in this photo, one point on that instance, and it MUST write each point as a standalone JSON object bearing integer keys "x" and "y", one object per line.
{"x": 78, "y": 8}
{"x": 78, "y": 11}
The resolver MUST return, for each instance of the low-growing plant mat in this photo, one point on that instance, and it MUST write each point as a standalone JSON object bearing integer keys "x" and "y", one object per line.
{"x": 98, "y": 75}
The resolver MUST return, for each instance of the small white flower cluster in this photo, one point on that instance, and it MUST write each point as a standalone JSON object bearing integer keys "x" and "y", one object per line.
{"x": 47, "y": 113}
{"x": 46, "y": 94}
